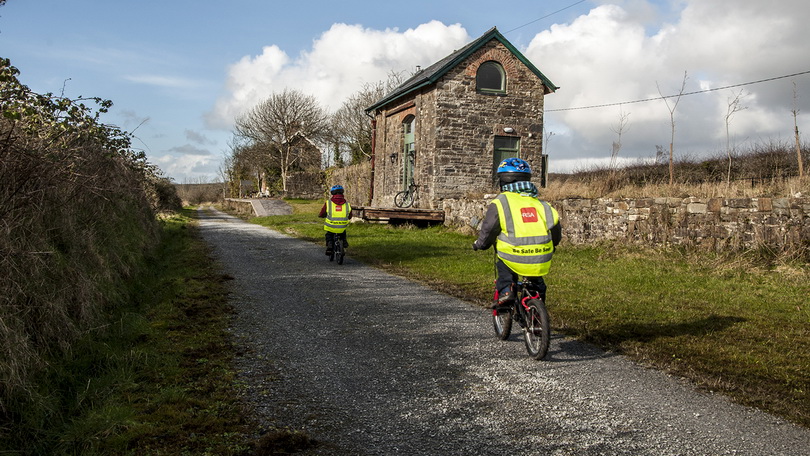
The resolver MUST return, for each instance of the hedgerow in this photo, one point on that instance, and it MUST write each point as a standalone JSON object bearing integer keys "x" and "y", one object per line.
{"x": 78, "y": 212}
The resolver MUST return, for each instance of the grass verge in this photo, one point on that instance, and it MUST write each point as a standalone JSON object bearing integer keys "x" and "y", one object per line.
{"x": 181, "y": 398}
{"x": 737, "y": 325}
{"x": 156, "y": 381}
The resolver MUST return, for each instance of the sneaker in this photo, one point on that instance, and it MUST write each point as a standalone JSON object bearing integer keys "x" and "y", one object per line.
{"x": 504, "y": 299}
{"x": 345, "y": 243}
{"x": 328, "y": 252}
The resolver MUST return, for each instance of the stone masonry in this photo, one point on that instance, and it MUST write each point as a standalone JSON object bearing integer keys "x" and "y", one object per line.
{"x": 455, "y": 130}
{"x": 781, "y": 224}
{"x": 718, "y": 224}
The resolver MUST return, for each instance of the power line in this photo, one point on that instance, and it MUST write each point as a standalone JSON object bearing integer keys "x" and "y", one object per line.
{"x": 547, "y": 15}
{"x": 678, "y": 95}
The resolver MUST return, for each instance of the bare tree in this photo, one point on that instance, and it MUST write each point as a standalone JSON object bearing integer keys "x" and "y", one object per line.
{"x": 547, "y": 137}
{"x": 249, "y": 161}
{"x": 351, "y": 126}
{"x": 275, "y": 125}
{"x": 796, "y": 129}
{"x": 352, "y": 130}
{"x": 672, "y": 123}
{"x": 733, "y": 106}
{"x": 620, "y": 128}
{"x": 225, "y": 172}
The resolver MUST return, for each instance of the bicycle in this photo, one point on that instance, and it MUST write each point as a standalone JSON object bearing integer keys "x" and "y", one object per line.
{"x": 406, "y": 197}
{"x": 529, "y": 311}
{"x": 338, "y": 252}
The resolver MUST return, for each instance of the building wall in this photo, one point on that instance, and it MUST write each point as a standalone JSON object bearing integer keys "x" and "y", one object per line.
{"x": 389, "y": 144}
{"x": 468, "y": 121}
{"x": 306, "y": 184}
{"x": 356, "y": 181}
{"x": 455, "y": 130}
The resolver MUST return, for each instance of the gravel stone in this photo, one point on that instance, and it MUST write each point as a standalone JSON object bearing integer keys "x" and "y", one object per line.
{"x": 368, "y": 363}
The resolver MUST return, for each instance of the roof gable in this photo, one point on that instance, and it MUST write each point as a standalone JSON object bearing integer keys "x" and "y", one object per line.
{"x": 432, "y": 73}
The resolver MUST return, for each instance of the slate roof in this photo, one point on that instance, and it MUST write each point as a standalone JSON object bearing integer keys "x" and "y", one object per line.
{"x": 432, "y": 73}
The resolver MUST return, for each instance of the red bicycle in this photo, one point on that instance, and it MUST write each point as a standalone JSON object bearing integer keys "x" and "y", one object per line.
{"x": 529, "y": 311}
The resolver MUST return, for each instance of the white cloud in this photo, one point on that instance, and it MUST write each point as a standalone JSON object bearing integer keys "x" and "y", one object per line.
{"x": 612, "y": 55}
{"x": 164, "y": 81}
{"x": 190, "y": 163}
{"x": 621, "y": 51}
{"x": 341, "y": 60}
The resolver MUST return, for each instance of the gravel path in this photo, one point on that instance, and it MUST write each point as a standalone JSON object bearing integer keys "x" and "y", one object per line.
{"x": 372, "y": 364}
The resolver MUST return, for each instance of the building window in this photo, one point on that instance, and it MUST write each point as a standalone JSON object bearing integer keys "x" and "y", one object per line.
{"x": 505, "y": 147}
{"x": 490, "y": 78}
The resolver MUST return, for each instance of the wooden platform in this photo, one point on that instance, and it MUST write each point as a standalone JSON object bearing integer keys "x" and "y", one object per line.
{"x": 398, "y": 214}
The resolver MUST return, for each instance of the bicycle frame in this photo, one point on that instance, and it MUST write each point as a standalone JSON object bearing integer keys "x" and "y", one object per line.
{"x": 338, "y": 251}
{"x": 528, "y": 309}
{"x": 406, "y": 197}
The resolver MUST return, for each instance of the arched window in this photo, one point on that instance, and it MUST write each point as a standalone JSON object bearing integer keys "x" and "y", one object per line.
{"x": 490, "y": 78}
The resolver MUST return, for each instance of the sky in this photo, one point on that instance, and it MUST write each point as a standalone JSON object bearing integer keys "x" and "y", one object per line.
{"x": 180, "y": 71}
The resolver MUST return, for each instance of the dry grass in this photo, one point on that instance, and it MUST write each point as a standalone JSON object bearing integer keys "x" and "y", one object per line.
{"x": 567, "y": 187}
{"x": 769, "y": 170}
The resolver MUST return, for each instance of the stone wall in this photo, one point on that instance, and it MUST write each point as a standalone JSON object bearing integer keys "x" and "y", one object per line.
{"x": 356, "y": 181}
{"x": 719, "y": 224}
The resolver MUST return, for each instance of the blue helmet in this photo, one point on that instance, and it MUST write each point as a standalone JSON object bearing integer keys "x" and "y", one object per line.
{"x": 336, "y": 190}
{"x": 514, "y": 169}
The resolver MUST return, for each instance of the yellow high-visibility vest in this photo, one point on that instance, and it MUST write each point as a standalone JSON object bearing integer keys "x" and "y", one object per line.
{"x": 524, "y": 243}
{"x": 337, "y": 216}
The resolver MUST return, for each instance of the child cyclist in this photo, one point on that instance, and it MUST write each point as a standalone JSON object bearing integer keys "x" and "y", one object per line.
{"x": 337, "y": 212}
{"x": 524, "y": 229}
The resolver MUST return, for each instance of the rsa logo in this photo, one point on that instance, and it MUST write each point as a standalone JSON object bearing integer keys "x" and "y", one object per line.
{"x": 529, "y": 214}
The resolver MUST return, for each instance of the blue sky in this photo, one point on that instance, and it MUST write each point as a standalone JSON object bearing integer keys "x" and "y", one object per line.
{"x": 179, "y": 71}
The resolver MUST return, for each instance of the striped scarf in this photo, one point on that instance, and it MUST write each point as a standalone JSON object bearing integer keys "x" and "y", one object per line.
{"x": 524, "y": 188}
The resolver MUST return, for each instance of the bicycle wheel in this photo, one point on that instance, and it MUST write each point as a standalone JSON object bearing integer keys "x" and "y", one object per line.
{"x": 339, "y": 252}
{"x": 502, "y": 322}
{"x": 403, "y": 198}
{"x": 537, "y": 332}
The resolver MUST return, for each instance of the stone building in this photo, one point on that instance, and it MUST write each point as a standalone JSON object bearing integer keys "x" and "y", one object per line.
{"x": 447, "y": 127}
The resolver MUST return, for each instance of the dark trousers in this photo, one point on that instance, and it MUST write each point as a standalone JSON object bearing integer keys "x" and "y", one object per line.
{"x": 330, "y": 237}
{"x": 506, "y": 277}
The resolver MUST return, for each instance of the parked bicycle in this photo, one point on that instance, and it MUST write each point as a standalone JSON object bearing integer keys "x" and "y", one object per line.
{"x": 406, "y": 197}
{"x": 338, "y": 252}
{"x": 529, "y": 311}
